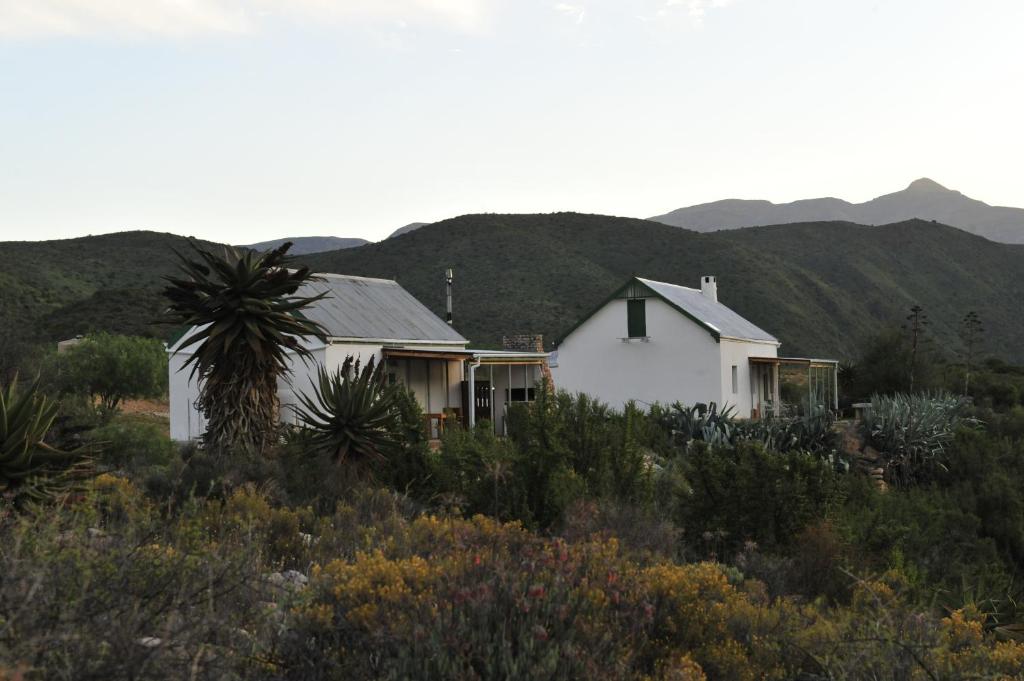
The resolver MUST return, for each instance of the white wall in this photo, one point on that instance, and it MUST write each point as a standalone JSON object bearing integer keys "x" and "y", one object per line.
{"x": 681, "y": 362}
{"x": 738, "y": 353}
{"x": 187, "y": 422}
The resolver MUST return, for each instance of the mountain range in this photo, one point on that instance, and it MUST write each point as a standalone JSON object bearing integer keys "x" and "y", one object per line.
{"x": 309, "y": 244}
{"x": 821, "y": 287}
{"x": 924, "y": 199}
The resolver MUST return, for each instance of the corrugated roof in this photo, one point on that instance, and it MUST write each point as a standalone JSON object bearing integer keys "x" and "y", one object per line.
{"x": 714, "y": 315}
{"x": 360, "y": 307}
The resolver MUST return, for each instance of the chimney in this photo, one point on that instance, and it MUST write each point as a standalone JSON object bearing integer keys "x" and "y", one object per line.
{"x": 448, "y": 276}
{"x": 709, "y": 287}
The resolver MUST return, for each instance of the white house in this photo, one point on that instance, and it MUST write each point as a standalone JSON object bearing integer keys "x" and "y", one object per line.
{"x": 377, "y": 318}
{"x": 656, "y": 342}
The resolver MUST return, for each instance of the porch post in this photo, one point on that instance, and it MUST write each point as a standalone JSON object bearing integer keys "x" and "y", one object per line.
{"x": 835, "y": 387}
{"x": 426, "y": 363}
{"x": 776, "y": 389}
{"x": 810, "y": 389}
{"x": 471, "y": 386}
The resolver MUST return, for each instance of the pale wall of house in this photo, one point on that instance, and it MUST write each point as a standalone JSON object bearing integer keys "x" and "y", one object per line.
{"x": 681, "y": 362}
{"x": 737, "y": 354}
{"x": 187, "y": 422}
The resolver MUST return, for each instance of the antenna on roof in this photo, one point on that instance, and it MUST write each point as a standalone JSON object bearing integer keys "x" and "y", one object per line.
{"x": 448, "y": 276}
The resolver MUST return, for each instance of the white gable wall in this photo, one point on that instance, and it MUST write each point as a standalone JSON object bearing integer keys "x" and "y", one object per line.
{"x": 738, "y": 353}
{"x": 682, "y": 361}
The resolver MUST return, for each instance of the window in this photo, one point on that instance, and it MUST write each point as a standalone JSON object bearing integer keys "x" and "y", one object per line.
{"x": 636, "y": 318}
{"x": 735, "y": 379}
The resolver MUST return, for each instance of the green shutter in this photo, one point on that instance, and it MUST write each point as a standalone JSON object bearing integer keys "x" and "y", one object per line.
{"x": 636, "y": 318}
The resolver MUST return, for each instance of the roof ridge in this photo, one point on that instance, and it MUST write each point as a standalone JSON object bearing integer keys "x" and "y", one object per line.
{"x": 669, "y": 283}
{"x": 352, "y": 277}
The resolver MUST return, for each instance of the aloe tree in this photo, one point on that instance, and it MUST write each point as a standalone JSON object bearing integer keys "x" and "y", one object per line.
{"x": 246, "y": 320}
{"x": 352, "y": 414}
{"x": 29, "y": 468}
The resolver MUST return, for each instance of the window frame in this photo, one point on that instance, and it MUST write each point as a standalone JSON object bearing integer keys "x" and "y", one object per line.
{"x": 636, "y": 317}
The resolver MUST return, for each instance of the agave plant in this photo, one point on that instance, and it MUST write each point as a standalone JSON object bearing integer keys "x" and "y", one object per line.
{"x": 29, "y": 468}
{"x": 246, "y": 319}
{"x": 913, "y": 431}
{"x": 814, "y": 433}
{"x": 352, "y": 414}
{"x": 701, "y": 422}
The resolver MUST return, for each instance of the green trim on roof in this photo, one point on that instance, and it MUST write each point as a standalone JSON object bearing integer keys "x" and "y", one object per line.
{"x": 636, "y": 280}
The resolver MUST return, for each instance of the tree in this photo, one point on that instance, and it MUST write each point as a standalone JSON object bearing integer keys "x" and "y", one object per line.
{"x": 246, "y": 319}
{"x": 917, "y": 321}
{"x": 971, "y": 331}
{"x": 110, "y": 369}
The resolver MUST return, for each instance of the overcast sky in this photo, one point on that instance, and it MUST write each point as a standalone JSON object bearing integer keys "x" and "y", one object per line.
{"x": 244, "y": 120}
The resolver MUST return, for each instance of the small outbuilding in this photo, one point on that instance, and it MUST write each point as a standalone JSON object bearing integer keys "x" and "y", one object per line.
{"x": 656, "y": 342}
{"x": 376, "y": 318}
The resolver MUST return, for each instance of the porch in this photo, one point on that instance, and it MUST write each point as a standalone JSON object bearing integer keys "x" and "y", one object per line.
{"x": 466, "y": 386}
{"x": 793, "y": 386}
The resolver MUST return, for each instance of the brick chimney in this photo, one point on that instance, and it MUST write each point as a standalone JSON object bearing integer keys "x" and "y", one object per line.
{"x": 523, "y": 342}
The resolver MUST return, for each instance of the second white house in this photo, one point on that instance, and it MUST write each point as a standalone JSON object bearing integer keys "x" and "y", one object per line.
{"x": 652, "y": 341}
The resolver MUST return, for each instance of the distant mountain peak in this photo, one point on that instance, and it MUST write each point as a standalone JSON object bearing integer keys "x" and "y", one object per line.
{"x": 925, "y": 184}
{"x": 923, "y": 198}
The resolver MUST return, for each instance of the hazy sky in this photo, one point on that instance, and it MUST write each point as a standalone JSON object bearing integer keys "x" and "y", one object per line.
{"x": 243, "y": 120}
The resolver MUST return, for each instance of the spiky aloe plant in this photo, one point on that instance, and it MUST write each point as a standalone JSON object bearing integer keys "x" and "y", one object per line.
{"x": 247, "y": 320}
{"x": 701, "y": 422}
{"x": 352, "y": 414}
{"x": 913, "y": 433}
{"x": 29, "y": 468}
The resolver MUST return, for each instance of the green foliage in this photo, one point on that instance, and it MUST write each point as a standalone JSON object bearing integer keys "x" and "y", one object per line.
{"x": 745, "y": 493}
{"x": 110, "y": 369}
{"x": 126, "y": 444}
{"x": 701, "y": 423}
{"x": 814, "y": 433}
{"x": 245, "y": 320}
{"x": 913, "y": 432}
{"x": 352, "y": 415}
{"x": 704, "y": 423}
{"x": 30, "y": 469}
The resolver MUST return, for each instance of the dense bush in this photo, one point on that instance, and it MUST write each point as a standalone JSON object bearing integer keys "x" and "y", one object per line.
{"x": 748, "y": 494}
{"x": 110, "y": 369}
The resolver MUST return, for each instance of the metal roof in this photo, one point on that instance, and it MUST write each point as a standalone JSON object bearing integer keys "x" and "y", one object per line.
{"x": 379, "y": 309}
{"x": 718, "y": 318}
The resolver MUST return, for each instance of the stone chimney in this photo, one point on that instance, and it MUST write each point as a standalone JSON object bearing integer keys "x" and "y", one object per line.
{"x": 709, "y": 287}
{"x": 523, "y": 342}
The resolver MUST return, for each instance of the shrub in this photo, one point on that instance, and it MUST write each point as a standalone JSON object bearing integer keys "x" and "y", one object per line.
{"x": 745, "y": 493}
{"x": 133, "y": 445}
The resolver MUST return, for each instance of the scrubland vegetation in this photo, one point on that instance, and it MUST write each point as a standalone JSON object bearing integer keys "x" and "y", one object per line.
{"x": 670, "y": 542}
{"x": 591, "y": 544}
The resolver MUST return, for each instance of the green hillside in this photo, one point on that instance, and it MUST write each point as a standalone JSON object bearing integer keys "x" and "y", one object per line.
{"x": 820, "y": 287}
{"x": 56, "y": 289}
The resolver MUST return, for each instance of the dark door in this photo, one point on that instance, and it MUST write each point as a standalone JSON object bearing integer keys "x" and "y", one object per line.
{"x": 481, "y": 400}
